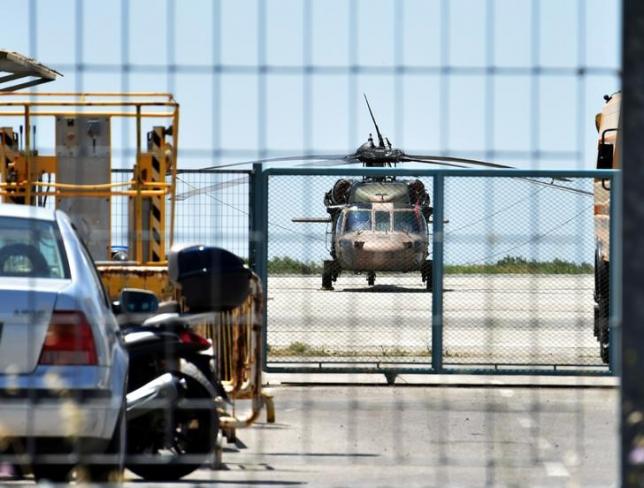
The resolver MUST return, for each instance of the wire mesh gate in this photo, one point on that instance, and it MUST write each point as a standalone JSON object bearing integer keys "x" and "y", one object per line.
{"x": 514, "y": 276}
{"x": 213, "y": 207}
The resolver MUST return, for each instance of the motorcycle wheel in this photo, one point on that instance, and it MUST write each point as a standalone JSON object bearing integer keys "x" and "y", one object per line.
{"x": 187, "y": 439}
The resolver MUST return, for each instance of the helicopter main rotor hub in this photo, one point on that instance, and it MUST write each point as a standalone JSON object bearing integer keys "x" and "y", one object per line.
{"x": 378, "y": 156}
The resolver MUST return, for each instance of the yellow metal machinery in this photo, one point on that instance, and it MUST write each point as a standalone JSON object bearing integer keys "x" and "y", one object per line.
{"x": 77, "y": 178}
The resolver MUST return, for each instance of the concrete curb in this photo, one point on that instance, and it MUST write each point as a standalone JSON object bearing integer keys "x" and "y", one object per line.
{"x": 465, "y": 381}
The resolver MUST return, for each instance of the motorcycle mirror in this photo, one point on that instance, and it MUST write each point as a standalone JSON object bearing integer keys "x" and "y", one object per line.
{"x": 134, "y": 300}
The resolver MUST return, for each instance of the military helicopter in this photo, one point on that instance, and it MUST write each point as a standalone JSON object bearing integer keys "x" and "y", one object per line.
{"x": 378, "y": 223}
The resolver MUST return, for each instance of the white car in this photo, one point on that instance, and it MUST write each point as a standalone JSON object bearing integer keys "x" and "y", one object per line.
{"x": 63, "y": 368}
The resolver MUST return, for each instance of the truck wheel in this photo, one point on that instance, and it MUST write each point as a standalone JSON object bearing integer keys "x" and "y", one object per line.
{"x": 602, "y": 294}
{"x": 603, "y": 334}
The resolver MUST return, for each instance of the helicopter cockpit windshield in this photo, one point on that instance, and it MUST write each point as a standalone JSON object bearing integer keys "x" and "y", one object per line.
{"x": 408, "y": 221}
{"x": 383, "y": 221}
{"x": 357, "y": 220}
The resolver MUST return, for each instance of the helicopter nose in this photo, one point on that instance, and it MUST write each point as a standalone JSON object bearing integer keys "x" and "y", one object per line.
{"x": 388, "y": 245}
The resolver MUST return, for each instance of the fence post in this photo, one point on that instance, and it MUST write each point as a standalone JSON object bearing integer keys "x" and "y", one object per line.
{"x": 252, "y": 219}
{"x": 632, "y": 241}
{"x": 260, "y": 239}
{"x": 437, "y": 272}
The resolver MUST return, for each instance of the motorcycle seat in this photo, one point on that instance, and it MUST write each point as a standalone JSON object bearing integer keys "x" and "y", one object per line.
{"x": 164, "y": 320}
{"x": 140, "y": 337}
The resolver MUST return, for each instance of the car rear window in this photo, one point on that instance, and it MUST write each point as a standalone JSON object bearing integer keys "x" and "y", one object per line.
{"x": 31, "y": 248}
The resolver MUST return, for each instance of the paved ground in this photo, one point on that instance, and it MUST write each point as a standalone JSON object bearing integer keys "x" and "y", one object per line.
{"x": 420, "y": 436}
{"x": 538, "y": 319}
{"x": 429, "y": 436}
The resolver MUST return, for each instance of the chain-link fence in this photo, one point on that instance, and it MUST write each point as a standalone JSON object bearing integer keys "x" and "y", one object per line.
{"x": 212, "y": 208}
{"x": 383, "y": 323}
{"x": 348, "y": 289}
{"x": 518, "y": 287}
{"x": 519, "y": 273}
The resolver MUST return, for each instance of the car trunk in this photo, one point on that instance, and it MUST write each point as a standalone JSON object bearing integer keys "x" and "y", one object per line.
{"x": 26, "y": 306}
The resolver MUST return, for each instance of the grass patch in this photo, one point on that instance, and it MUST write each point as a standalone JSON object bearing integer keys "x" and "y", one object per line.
{"x": 286, "y": 265}
{"x": 298, "y": 349}
{"x": 301, "y": 349}
{"x": 508, "y": 265}
{"x": 519, "y": 265}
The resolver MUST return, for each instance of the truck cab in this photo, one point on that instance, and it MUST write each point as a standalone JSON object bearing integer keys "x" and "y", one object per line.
{"x": 608, "y": 157}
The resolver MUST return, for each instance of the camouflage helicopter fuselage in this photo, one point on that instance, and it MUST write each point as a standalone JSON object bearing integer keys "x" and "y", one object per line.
{"x": 373, "y": 249}
{"x": 378, "y": 225}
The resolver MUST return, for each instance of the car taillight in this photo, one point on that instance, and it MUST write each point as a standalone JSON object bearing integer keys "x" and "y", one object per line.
{"x": 190, "y": 337}
{"x": 69, "y": 340}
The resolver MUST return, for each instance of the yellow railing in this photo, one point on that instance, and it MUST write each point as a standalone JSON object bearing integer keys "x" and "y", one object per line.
{"x": 138, "y": 105}
{"x": 237, "y": 342}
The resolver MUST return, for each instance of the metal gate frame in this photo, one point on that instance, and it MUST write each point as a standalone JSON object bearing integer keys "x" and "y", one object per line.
{"x": 260, "y": 179}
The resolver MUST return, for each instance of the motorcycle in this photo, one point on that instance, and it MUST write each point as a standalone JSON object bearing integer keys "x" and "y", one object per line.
{"x": 173, "y": 390}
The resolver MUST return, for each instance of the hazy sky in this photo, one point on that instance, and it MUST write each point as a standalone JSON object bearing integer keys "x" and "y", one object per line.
{"x": 221, "y": 110}
{"x": 442, "y": 76}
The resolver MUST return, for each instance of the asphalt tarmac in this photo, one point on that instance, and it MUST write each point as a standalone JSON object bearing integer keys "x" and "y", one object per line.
{"x": 419, "y": 436}
{"x": 488, "y": 319}
{"x": 548, "y": 432}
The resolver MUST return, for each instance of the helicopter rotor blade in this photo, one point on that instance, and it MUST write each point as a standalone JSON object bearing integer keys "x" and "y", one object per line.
{"x": 559, "y": 187}
{"x": 449, "y": 159}
{"x": 475, "y": 162}
{"x": 530, "y": 180}
{"x": 350, "y": 159}
{"x": 211, "y": 188}
{"x": 304, "y": 157}
{"x": 408, "y": 159}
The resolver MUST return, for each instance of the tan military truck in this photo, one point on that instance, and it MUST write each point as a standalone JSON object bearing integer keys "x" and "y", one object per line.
{"x": 608, "y": 157}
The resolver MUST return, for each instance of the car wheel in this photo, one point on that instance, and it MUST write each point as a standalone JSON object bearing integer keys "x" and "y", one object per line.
{"x": 112, "y": 469}
{"x": 57, "y": 473}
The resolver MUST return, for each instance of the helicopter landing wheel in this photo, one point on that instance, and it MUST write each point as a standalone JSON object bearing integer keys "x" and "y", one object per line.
{"x": 426, "y": 273}
{"x": 327, "y": 275}
{"x": 371, "y": 278}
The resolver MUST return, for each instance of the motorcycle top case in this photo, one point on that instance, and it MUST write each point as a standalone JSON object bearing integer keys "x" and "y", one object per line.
{"x": 211, "y": 279}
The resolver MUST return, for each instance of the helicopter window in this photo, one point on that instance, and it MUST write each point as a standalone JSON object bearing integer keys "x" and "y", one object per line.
{"x": 358, "y": 220}
{"x": 382, "y": 221}
{"x": 406, "y": 222}
{"x": 338, "y": 223}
